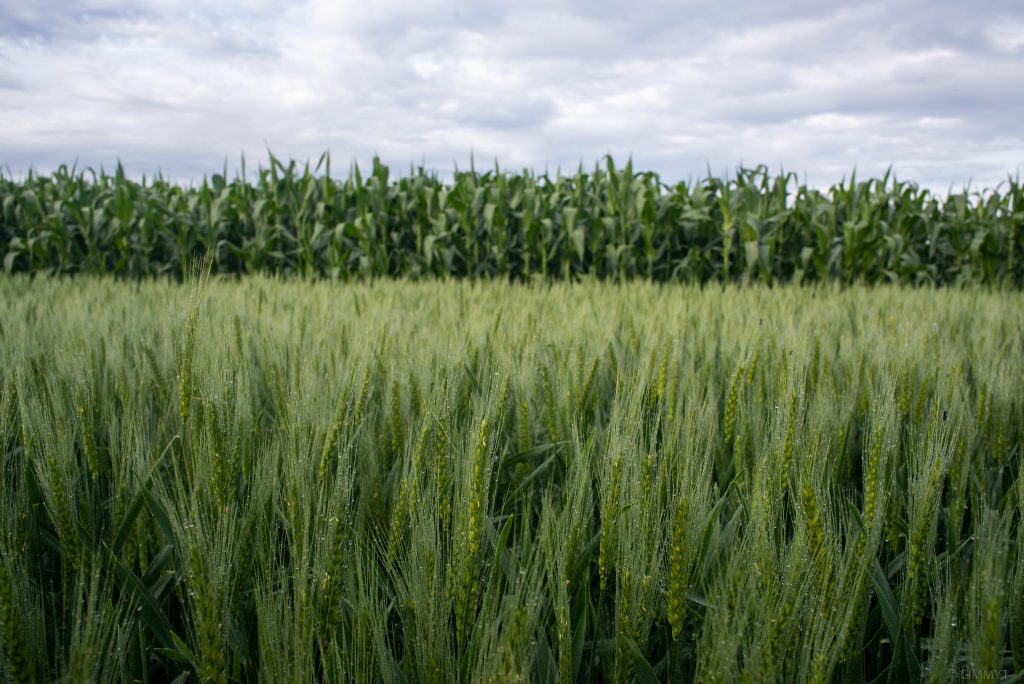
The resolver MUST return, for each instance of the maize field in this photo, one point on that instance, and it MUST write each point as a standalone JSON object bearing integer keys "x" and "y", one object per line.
{"x": 472, "y": 480}
{"x": 611, "y": 223}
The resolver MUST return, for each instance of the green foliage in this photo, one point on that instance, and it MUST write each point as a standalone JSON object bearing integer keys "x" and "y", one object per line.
{"x": 610, "y": 223}
{"x": 467, "y": 481}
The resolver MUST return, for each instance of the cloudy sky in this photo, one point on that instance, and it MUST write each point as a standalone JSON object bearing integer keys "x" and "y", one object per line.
{"x": 934, "y": 88}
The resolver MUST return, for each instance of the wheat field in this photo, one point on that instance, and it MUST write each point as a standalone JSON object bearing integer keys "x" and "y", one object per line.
{"x": 265, "y": 480}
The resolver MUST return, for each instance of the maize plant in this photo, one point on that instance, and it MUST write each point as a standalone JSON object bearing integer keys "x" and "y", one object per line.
{"x": 610, "y": 222}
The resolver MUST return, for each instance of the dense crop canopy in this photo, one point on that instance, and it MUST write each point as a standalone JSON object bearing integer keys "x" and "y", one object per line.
{"x": 612, "y": 223}
{"x": 484, "y": 482}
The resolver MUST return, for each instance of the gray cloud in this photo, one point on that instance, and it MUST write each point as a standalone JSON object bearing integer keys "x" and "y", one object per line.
{"x": 935, "y": 89}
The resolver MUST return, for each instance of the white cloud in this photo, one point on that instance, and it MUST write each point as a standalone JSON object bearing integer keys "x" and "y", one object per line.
{"x": 1008, "y": 35}
{"x": 933, "y": 89}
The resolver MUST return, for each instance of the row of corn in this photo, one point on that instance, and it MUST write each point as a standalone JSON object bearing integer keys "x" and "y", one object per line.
{"x": 609, "y": 222}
